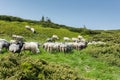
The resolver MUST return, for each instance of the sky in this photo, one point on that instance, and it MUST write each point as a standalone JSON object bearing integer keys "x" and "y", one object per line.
{"x": 94, "y": 14}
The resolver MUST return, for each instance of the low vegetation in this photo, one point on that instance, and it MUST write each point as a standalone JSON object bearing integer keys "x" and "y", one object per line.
{"x": 20, "y": 67}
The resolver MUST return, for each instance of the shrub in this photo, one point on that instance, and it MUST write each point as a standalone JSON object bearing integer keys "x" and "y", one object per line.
{"x": 21, "y": 67}
{"x": 109, "y": 53}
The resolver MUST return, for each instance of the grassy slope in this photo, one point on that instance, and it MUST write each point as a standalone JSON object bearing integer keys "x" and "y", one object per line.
{"x": 9, "y": 28}
{"x": 88, "y": 66}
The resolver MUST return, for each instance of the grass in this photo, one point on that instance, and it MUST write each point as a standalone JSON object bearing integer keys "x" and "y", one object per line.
{"x": 42, "y": 34}
{"x": 88, "y": 66}
{"x": 85, "y": 64}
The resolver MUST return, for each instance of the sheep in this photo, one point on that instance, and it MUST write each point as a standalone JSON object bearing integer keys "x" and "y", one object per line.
{"x": 65, "y": 48}
{"x": 50, "y": 47}
{"x": 80, "y": 37}
{"x": 66, "y": 39}
{"x": 55, "y": 37}
{"x": 16, "y": 47}
{"x": 32, "y": 46}
{"x": 17, "y": 37}
{"x": 81, "y": 45}
{"x": 45, "y": 45}
{"x": 77, "y": 45}
{"x": 75, "y": 40}
{"x": 13, "y": 41}
{"x": 2, "y": 39}
{"x": 50, "y": 40}
{"x": 4, "y": 44}
{"x": 70, "y": 44}
{"x": 28, "y": 27}
{"x": 57, "y": 46}
{"x": 82, "y": 40}
{"x": 69, "y": 47}
{"x": 31, "y": 29}
{"x": 74, "y": 45}
{"x": 14, "y": 36}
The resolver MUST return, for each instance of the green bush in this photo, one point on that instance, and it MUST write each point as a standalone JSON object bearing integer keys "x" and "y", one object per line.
{"x": 109, "y": 53}
{"x": 21, "y": 67}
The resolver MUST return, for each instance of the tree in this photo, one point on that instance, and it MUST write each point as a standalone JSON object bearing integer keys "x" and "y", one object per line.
{"x": 48, "y": 20}
{"x": 43, "y": 19}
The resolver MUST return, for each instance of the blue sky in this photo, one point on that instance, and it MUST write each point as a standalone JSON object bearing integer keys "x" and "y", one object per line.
{"x": 94, "y": 14}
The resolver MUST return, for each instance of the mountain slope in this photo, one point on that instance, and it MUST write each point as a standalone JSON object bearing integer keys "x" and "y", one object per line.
{"x": 94, "y": 62}
{"x": 18, "y": 28}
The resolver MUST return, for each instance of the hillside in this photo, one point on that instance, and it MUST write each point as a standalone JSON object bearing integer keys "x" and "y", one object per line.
{"x": 96, "y": 62}
{"x": 46, "y": 28}
{"x": 42, "y": 34}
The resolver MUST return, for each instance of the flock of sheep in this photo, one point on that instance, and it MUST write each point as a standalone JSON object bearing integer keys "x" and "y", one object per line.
{"x": 77, "y": 43}
{"x": 17, "y": 44}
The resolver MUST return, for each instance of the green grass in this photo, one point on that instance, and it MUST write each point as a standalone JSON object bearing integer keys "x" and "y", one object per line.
{"x": 18, "y": 28}
{"x": 84, "y": 63}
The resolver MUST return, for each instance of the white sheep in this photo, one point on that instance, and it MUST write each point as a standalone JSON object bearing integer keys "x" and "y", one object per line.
{"x": 45, "y": 45}
{"x": 17, "y": 37}
{"x": 66, "y": 39}
{"x": 80, "y": 37}
{"x": 64, "y": 47}
{"x": 31, "y": 29}
{"x": 3, "y": 39}
{"x": 13, "y": 41}
{"x": 83, "y": 40}
{"x": 32, "y": 46}
{"x": 50, "y": 47}
{"x": 55, "y": 37}
{"x": 75, "y": 40}
{"x": 49, "y": 40}
{"x": 16, "y": 47}
{"x": 79, "y": 45}
{"x": 28, "y": 27}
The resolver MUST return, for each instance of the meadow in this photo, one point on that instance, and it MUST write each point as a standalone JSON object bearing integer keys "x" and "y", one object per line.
{"x": 95, "y": 62}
